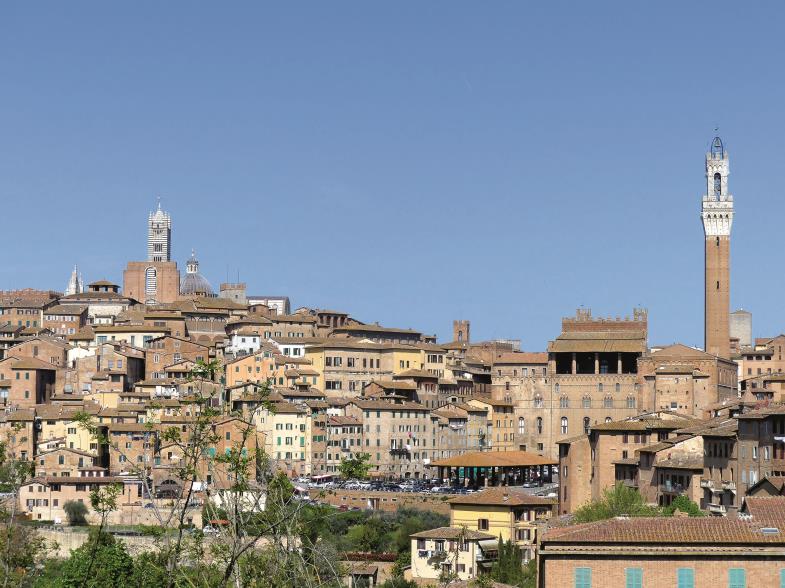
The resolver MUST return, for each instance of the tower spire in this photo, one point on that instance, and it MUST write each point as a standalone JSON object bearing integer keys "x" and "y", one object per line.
{"x": 74, "y": 283}
{"x": 159, "y": 235}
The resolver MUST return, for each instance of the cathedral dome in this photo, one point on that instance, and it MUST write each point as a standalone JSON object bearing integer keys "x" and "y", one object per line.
{"x": 194, "y": 283}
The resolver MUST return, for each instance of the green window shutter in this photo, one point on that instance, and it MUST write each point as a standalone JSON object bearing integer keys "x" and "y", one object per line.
{"x": 302, "y": 441}
{"x": 279, "y": 440}
{"x": 582, "y": 577}
{"x": 634, "y": 577}
{"x": 685, "y": 578}
{"x": 737, "y": 578}
{"x": 782, "y": 578}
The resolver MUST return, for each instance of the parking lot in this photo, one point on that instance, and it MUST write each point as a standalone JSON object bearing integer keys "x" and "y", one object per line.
{"x": 418, "y": 486}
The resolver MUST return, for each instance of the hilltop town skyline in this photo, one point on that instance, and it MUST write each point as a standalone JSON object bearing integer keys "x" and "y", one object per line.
{"x": 507, "y": 175}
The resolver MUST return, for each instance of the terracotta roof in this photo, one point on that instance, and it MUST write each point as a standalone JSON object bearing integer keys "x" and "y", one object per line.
{"x": 644, "y": 424}
{"x": 679, "y": 530}
{"x": 777, "y": 481}
{"x": 66, "y": 309}
{"x": 343, "y": 420}
{"x": 507, "y": 496}
{"x": 570, "y": 440}
{"x": 94, "y": 296}
{"x": 77, "y": 451}
{"x": 30, "y": 363}
{"x": 627, "y": 461}
{"x": 129, "y": 427}
{"x": 681, "y": 351}
{"x": 452, "y": 533}
{"x": 490, "y": 401}
{"x": 129, "y": 329}
{"x": 383, "y": 405}
{"x": 494, "y": 458}
{"x": 288, "y": 408}
{"x": 374, "y": 329}
{"x": 416, "y": 374}
{"x": 394, "y": 384}
{"x": 599, "y": 341}
{"x": 521, "y": 357}
{"x": 681, "y": 462}
{"x": 83, "y": 334}
{"x": 766, "y": 509}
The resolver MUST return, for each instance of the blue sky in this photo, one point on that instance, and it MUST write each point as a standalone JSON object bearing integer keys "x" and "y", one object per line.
{"x": 409, "y": 163}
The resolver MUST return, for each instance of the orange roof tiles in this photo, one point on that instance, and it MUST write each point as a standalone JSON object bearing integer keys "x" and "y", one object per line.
{"x": 678, "y": 530}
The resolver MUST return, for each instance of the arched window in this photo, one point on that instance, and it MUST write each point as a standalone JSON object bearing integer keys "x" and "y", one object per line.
{"x": 608, "y": 402}
{"x": 599, "y": 387}
{"x": 717, "y": 186}
{"x": 586, "y": 425}
{"x": 556, "y": 386}
{"x": 587, "y": 402}
{"x": 630, "y": 401}
{"x": 521, "y": 425}
{"x": 538, "y": 401}
{"x": 608, "y": 419}
{"x": 564, "y": 402}
{"x": 618, "y": 387}
{"x": 539, "y": 425}
{"x": 564, "y": 425}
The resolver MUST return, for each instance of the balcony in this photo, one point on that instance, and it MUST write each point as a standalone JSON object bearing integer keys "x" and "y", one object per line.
{"x": 717, "y": 509}
{"x": 711, "y": 485}
{"x": 729, "y": 485}
{"x": 399, "y": 451}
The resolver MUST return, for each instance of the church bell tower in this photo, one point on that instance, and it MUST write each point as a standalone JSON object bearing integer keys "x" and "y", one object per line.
{"x": 717, "y": 216}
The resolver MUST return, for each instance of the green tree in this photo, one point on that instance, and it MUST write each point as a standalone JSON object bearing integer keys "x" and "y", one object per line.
{"x": 76, "y": 512}
{"x": 356, "y": 467}
{"x": 102, "y": 562}
{"x": 616, "y": 501}
{"x": 685, "y": 505}
{"x": 509, "y": 569}
{"x": 398, "y": 582}
{"x": 370, "y": 536}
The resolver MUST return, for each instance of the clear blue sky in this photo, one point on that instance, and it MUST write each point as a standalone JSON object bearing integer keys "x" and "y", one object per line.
{"x": 409, "y": 163}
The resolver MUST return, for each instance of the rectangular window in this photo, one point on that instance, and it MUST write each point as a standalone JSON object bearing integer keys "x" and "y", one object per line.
{"x": 634, "y": 577}
{"x": 582, "y": 577}
{"x": 737, "y": 578}
{"x": 482, "y": 524}
{"x": 685, "y": 578}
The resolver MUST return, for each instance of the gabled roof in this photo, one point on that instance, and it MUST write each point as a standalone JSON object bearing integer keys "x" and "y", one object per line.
{"x": 452, "y": 533}
{"x": 666, "y": 530}
{"x": 31, "y": 363}
{"x": 680, "y": 350}
{"x": 506, "y": 496}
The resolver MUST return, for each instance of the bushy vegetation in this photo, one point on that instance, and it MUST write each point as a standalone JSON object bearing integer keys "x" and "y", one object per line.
{"x": 621, "y": 500}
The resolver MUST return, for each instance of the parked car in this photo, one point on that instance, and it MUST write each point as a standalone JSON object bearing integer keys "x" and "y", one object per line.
{"x": 210, "y": 530}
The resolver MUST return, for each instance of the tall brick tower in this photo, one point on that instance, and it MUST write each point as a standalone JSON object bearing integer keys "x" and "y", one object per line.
{"x": 717, "y": 216}
{"x": 460, "y": 331}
